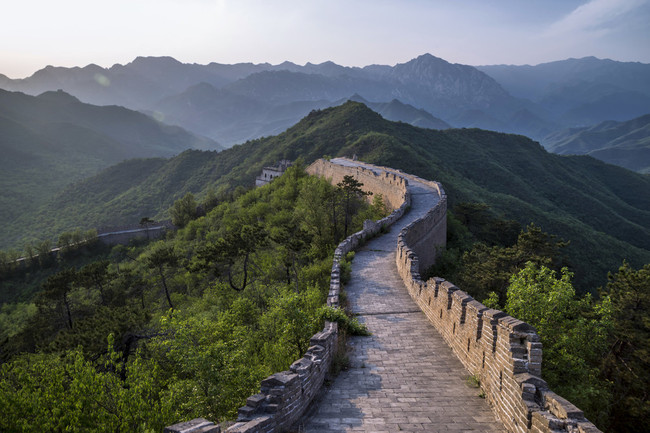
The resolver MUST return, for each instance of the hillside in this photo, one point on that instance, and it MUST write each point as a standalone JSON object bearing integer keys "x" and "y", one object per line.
{"x": 602, "y": 209}
{"x": 52, "y": 140}
{"x": 626, "y": 144}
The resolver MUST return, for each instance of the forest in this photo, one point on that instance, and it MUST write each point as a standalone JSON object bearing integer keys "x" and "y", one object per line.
{"x": 135, "y": 338}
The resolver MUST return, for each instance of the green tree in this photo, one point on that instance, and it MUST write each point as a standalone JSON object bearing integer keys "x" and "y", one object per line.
{"x": 161, "y": 257}
{"x": 57, "y": 288}
{"x": 351, "y": 191}
{"x": 184, "y": 210}
{"x": 95, "y": 274}
{"x": 627, "y": 364}
{"x": 55, "y": 393}
{"x": 574, "y": 333}
{"x": 239, "y": 243}
{"x": 313, "y": 211}
{"x": 146, "y": 223}
{"x": 484, "y": 226}
{"x": 486, "y": 269}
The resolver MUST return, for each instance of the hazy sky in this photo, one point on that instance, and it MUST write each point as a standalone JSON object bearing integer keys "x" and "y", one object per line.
{"x": 36, "y": 33}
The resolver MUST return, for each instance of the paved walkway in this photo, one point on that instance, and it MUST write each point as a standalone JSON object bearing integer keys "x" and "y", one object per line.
{"x": 404, "y": 377}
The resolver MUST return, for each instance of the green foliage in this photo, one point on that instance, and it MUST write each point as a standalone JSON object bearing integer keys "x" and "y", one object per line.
{"x": 351, "y": 192}
{"x": 51, "y": 393}
{"x": 14, "y": 317}
{"x": 484, "y": 269}
{"x": 626, "y": 365}
{"x": 574, "y": 333}
{"x": 50, "y": 141}
{"x": 476, "y": 217}
{"x": 185, "y": 343}
{"x": 347, "y": 324}
{"x": 184, "y": 210}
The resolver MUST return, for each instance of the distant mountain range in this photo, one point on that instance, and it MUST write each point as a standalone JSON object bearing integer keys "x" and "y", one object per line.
{"x": 235, "y": 103}
{"x": 622, "y": 143}
{"x": 51, "y": 140}
{"x": 580, "y": 92}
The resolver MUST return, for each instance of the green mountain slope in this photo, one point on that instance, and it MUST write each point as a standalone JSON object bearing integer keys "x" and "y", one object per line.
{"x": 602, "y": 209}
{"x": 622, "y": 143}
{"x": 49, "y": 141}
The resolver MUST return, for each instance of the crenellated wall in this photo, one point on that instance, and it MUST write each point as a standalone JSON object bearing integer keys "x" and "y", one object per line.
{"x": 504, "y": 353}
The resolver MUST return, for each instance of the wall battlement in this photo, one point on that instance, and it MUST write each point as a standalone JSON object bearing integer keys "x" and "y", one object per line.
{"x": 504, "y": 353}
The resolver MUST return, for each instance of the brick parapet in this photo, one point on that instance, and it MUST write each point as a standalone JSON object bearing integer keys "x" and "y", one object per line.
{"x": 504, "y": 353}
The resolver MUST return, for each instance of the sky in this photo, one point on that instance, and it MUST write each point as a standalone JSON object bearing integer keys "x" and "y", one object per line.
{"x": 37, "y": 33}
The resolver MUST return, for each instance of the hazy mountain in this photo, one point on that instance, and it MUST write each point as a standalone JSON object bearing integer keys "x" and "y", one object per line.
{"x": 532, "y": 82}
{"x": 136, "y": 85}
{"x": 527, "y": 123}
{"x": 446, "y": 89}
{"x": 53, "y": 139}
{"x": 231, "y": 117}
{"x": 235, "y": 117}
{"x": 478, "y": 119}
{"x": 150, "y": 83}
{"x": 603, "y": 209}
{"x": 580, "y": 91}
{"x": 399, "y": 112}
{"x": 530, "y": 100}
{"x": 281, "y": 87}
{"x": 622, "y": 143}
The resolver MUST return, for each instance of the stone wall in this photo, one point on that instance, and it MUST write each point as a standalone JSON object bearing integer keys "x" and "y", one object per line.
{"x": 390, "y": 185}
{"x": 284, "y": 396}
{"x": 124, "y": 234}
{"x": 504, "y": 353}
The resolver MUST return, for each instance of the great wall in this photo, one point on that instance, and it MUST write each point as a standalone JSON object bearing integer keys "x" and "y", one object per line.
{"x": 408, "y": 381}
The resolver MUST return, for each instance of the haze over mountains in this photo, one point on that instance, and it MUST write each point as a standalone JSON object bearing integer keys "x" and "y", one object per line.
{"x": 235, "y": 103}
{"x": 622, "y": 143}
{"x": 51, "y": 140}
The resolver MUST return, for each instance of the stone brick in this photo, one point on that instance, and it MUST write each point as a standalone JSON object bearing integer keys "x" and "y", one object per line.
{"x": 198, "y": 425}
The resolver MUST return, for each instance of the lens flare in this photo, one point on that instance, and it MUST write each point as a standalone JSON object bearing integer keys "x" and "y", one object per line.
{"x": 158, "y": 116}
{"x": 102, "y": 80}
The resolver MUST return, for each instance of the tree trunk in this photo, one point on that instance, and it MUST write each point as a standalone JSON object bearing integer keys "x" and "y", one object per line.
{"x": 164, "y": 282}
{"x": 232, "y": 285}
{"x": 67, "y": 309}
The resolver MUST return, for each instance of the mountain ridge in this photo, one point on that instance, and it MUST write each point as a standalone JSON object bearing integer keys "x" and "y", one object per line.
{"x": 426, "y": 82}
{"x": 578, "y": 198}
{"x": 622, "y": 143}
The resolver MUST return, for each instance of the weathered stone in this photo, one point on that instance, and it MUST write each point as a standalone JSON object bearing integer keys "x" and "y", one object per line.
{"x": 198, "y": 425}
{"x": 283, "y": 379}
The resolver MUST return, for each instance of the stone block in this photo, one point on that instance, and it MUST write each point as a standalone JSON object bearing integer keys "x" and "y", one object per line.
{"x": 282, "y": 379}
{"x": 561, "y": 407}
{"x": 255, "y": 400}
{"x": 197, "y": 425}
{"x": 246, "y": 413}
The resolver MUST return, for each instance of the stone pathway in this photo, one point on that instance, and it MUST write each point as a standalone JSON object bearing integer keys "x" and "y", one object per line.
{"x": 403, "y": 378}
